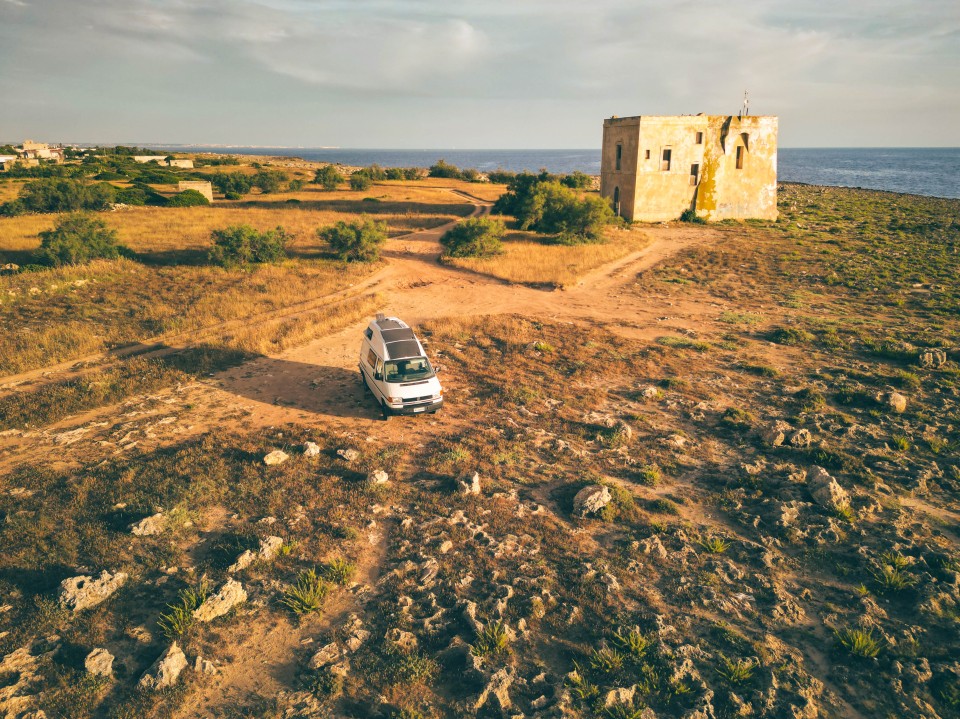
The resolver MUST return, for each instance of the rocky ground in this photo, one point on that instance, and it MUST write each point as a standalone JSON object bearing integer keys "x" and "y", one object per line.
{"x": 740, "y": 503}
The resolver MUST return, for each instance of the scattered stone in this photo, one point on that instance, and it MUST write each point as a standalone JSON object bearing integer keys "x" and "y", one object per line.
{"x": 621, "y": 696}
{"x": 591, "y": 499}
{"x": 311, "y": 449}
{"x": 276, "y": 457}
{"x": 776, "y": 434}
{"x": 404, "y": 641}
{"x": 933, "y": 358}
{"x": 801, "y": 439}
{"x": 149, "y": 526}
{"x": 378, "y": 477}
{"x": 216, "y": 605}
{"x": 470, "y": 485}
{"x": 326, "y": 655}
{"x": 204, "y": 667}
{"x": 496, "y": 693}
{"x": 894, "y": 401}
{"x": 649, "y": 392}
{"x": 79, "y": 593}
{"x": 99, "y": 662}
{"x": 166, "y": 670}
{"x": 269, "y": 548}
{"x": 623, "y": 429}
{"x": 348, "y": 454}
{"x": 826, "y": 491}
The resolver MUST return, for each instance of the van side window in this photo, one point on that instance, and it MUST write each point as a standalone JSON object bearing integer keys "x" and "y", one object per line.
{"x": 371, "y": 358}
{"x": 369, "y": 333}
{"x": 378, "y": 372}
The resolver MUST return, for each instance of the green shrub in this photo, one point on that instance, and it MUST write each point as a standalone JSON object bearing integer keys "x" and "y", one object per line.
{"x": 738, "y": 671}
{"x": 791, "y": 336}
{"x": 232, "y": 195}
{"x": 132, "y": 196}
{"x": 690, "y": 215}
{"x": 491, "y": 641}
{"x": 65, "y": 195}
{"x": 295, "y": 185}
{"x": 859, "y": 642}
{"x": 268, "y": 181}
{"x": 714, "y": 545}
{"x": 474, "y": 237}
{"x": 188, "y": 198}
{"x": 444, "y": 169}
{"x": 180, "y": 618}
{"x": 576, "y": 180}
{"x": 546, "y": 206}
{"x": 338, "y": 571}
{"x": 328, "y": 178}
{"x": 235, "y": 183}
{"x": 355, "y": 241}
{"x": 242, "y": 244}
{"x": 360, "y": 181}
{"x": 76, "y": 239}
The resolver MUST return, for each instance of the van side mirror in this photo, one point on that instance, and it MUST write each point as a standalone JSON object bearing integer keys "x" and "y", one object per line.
{"x": 378, "y": 376}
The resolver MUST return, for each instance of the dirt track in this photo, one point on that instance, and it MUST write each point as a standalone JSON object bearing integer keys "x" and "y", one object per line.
{"x": 318, "y": 382}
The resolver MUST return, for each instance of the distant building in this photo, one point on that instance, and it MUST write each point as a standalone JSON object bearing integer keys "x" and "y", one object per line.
{"x": 144, "y": 159}
{"x": 723, "y": 167}
{"x": 204, "y": 188}
{"x": 41, "y": 151}
{"x": 7, "y": 161}
{"x": 183, "y": 164}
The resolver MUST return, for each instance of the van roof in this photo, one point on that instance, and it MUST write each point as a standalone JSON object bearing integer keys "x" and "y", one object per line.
{"x": 394, "y": 338}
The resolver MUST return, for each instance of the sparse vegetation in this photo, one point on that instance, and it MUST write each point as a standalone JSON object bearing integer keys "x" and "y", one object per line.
{"x": 76, "y": 240}
{"x": 243, "y": 245}
{"x": 307, "y": 595}
{"x": 359, "y": 241}
{"x": 474, "y": 237}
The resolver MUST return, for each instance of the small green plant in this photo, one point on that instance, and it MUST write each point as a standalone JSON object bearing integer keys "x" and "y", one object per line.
{"x": 791, "y": 336}
{"x": 360, "y": 181}
{"x": 355, "y": 241}
{"x": 338, "y": 571}
{"x": 307, "y": 595}
{"x": 738, "y": 671}
{"x": 620, "y": 711}
{"x": 325, "y": 684}
{"x": 474, "y": 237}
{"x": 714, "y": 545}
{"x": 188, "y": 198}
{"x": 650, "y": 475}
{"x": 544, "y": 347}
{"x": 580, "y": 687}
{"x": 287, "y": 547}
{"x": 606, "y": 661}
{"x": 690, "y": 215}
{"x": 632, "y": 642}
{"x": 859, "y": 642}
{"x": 894, "y": 559}
{"x": 844, "y": 512}
{"x": 491, "y": 641}
{"x": 737, "y": 417}
{"x": 328, "y": 177}
{"x": 664, "y": 506}
{"x": 77, "y": 239}
{"x": 900, "y": 443}
{"x": 179, "y": 619}
{"x": 892, "y": 579}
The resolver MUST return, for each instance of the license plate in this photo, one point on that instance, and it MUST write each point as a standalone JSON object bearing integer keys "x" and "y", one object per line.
{"x": 419, "y": 409}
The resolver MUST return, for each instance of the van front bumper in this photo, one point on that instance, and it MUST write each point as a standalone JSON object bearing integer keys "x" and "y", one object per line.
{"x": 422, "y": 408}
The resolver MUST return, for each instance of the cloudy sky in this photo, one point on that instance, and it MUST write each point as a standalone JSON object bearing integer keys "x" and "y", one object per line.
{"x": 473, "y": 73}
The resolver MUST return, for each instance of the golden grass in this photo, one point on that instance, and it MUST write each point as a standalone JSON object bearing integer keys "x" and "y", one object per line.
{"x": 526, "y": 260}
{"x": 63, "y": 314}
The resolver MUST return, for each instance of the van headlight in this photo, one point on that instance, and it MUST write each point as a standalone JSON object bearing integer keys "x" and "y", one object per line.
{"x": 394, "y": 400}
{"x": 437, "y": 396}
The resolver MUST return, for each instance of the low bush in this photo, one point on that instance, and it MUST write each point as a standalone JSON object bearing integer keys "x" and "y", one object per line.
{"x": 268, "y": 181}
{"x": 188, "y": 198}
{"x": 77, "y": 239}
{"x": 360, "y": 181}
{"x": 690, "y": 215}
{"x": 307, "y": 595}
{"x": 242, "y": 244}
{"x": 474, "y": 237}
{"x": 546, "y": 206}
{"x": 65, "y": 195}
{"x": 444, "y": 169}
{"x": 355, "y": 241}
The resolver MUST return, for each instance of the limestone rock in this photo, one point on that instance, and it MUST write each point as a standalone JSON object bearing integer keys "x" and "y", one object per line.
{"x": 776, "y": 434}
{"x": 894, "y": 401}
{"x": 591, "y": 499}
{"x": 148, "y": 526}
{"x": 801, "y": 438}
{"x": 378, "y": 477}
{"x": 328, "y": 654}
{"x": 216, "y": 605}
{"x": 470, "y": 485}
{"x": 276, "y": 457}
{"x": 348, "y": 454}
{"x": 166, "y": 670}
{"x": 311, "y": 449}
{"x": 99, "y": 662}
{"x": 269, "y": 548}
{"x": 496, "y": 693}
{"x": 79, "y": 593}
{"x": 933, "y": 358}
{"x": 826, "y": 491}
{"x": 404, "y": 641}
{"x": 649, "y": 392}
{"x": 621, "y": 696}
{"x": 204, "y": 667}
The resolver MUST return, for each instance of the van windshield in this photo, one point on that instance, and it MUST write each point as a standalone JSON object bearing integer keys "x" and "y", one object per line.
{"x": 408, "y": 370}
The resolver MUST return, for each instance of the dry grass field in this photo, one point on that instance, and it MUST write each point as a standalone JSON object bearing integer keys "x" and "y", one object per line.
{"x": 765, "y": 421}
{"x": 528, "y": 260}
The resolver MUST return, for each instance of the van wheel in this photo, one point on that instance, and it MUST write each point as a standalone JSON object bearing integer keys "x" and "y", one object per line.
{"x": 384, "y": 411}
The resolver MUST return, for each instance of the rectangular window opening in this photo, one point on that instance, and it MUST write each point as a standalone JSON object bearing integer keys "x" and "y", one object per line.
{"x": 665, "y": 162}
{"x": 740, "y": 157}
{"x": 619, "y": 154}
{"x": 694, "y": 173}
{"x": 648, "y": 155}
{"x": 699, "y": 138}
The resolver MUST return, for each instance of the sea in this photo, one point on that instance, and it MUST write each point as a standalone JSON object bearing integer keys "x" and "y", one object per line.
{"x": 920, "y": 171}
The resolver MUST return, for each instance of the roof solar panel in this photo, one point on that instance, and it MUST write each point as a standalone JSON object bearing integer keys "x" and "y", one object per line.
{"x": 388, "y": 324}
{"x": 403, "y": 349}
{"x": 404, "y": 333}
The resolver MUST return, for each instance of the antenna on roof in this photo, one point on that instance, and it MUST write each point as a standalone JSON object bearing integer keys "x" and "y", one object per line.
{"x": 745, "y": 109}
{"x": 381, "y": 316}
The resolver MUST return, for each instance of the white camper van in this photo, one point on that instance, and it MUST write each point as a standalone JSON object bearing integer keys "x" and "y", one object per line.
{"x": 396, "y": 369}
